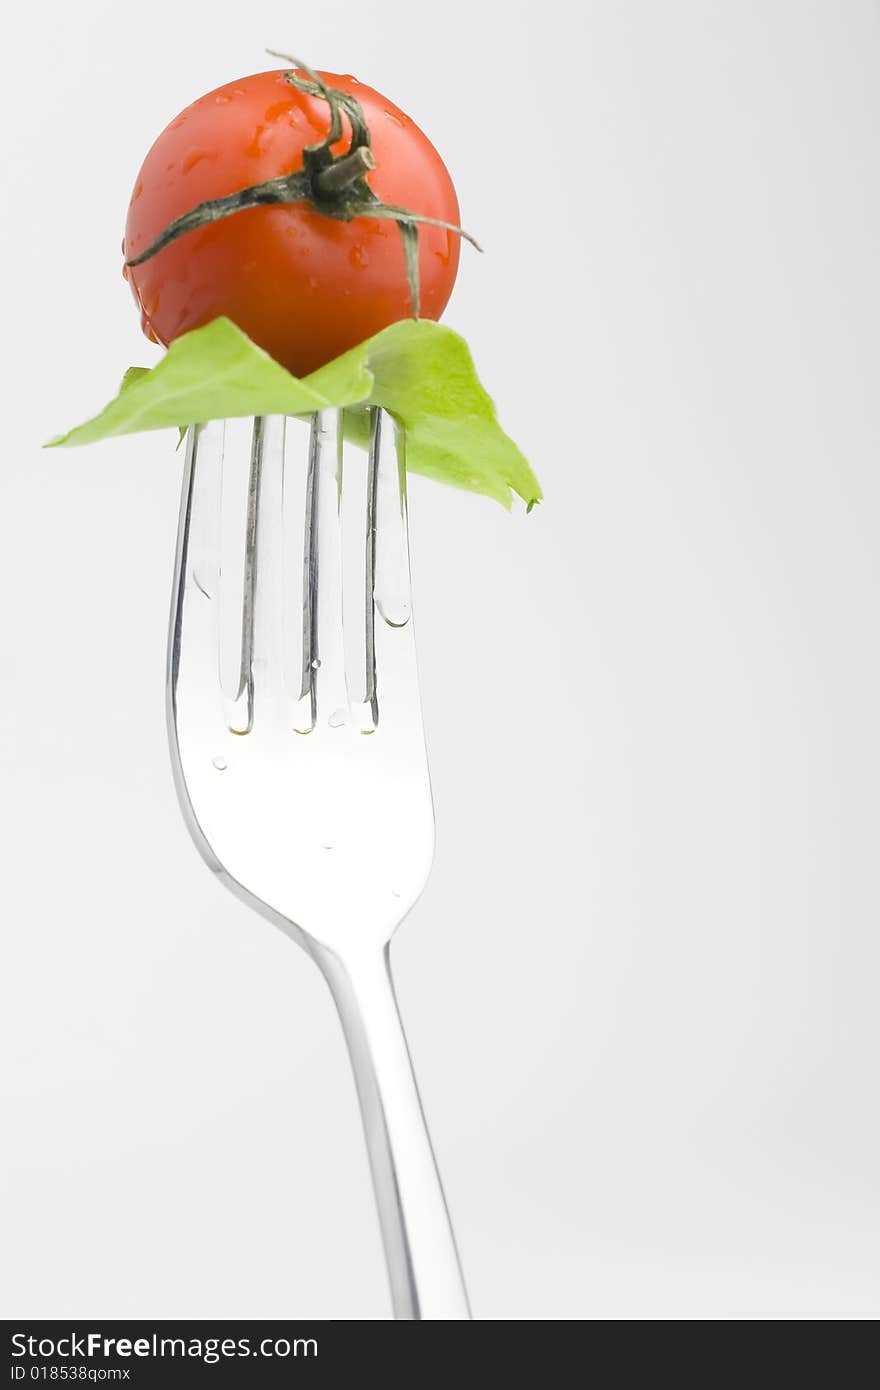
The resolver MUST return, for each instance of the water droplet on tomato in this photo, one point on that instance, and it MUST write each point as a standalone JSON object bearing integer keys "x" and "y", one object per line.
{"x": 313, "y": 282}
{"x": 192, "y": 159}
{"x": 392, "y": 116}
{"x": 222, "y": 99}
{"x": 278, "y": 108}
{"x": 146, "y": 326}
{"x": 254, "y": 148}
{"x": 358, "y": 258}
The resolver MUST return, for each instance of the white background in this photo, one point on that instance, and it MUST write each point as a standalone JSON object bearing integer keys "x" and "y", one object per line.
{"x": 641, "y": 987}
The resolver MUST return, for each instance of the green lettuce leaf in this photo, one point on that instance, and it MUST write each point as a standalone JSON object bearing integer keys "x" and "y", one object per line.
{"x": 419, "y": 371}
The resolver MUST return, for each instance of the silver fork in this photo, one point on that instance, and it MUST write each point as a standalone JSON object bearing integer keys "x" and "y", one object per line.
{"x": 299, "y": 756}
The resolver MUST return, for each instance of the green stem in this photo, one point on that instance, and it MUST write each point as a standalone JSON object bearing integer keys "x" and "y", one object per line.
{"x": 345, "y": 170}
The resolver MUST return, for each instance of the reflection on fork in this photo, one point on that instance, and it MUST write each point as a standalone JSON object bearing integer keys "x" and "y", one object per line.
{"x": 299, "y": 755}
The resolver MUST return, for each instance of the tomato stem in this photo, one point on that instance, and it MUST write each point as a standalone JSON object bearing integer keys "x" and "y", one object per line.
{"x": 334, "y": 185}
{"x": 346, "y": 170}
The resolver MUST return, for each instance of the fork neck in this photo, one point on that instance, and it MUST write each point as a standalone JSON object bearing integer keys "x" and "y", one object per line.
{"x": 420, "y": 1251}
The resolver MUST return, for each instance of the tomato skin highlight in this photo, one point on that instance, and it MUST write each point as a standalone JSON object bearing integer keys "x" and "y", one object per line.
{"x": 304, "y": 286}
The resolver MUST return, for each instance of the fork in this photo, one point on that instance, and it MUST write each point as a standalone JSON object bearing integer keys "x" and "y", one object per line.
{"x": 299, "y": 756}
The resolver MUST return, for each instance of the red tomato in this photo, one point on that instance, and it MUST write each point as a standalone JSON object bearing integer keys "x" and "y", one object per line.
{"x": 304, "y": 286}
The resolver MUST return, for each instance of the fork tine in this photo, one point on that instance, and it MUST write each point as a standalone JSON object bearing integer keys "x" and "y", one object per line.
{"x": 239, "y": 497}
{"x": 323, "y": 573}
{"x": 193, "y": 664}
{"x": 264, "y": 653}
{"x": 388, "y": 522}
{"x": 358, "y": 616}
{"x": 297, "y": 507}
{"x": 204, "y": 461}
{"x": 396, "y": 686}
{"x": 370, "y": 567}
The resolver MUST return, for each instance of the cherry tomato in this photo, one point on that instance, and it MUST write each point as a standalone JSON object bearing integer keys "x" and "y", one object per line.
{"x": 304, "y": 286}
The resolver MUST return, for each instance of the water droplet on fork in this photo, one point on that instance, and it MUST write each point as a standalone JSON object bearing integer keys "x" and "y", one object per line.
{"x": 338, "y": 718}
{"x": 201, "y": 584}
{"x": 220, "y": 763}
{"x": 394, "y": 608}
{"x": 316, "y": 664}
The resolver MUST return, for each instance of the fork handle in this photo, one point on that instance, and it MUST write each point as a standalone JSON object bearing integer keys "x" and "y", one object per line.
{"x": 423, "y": 1266}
